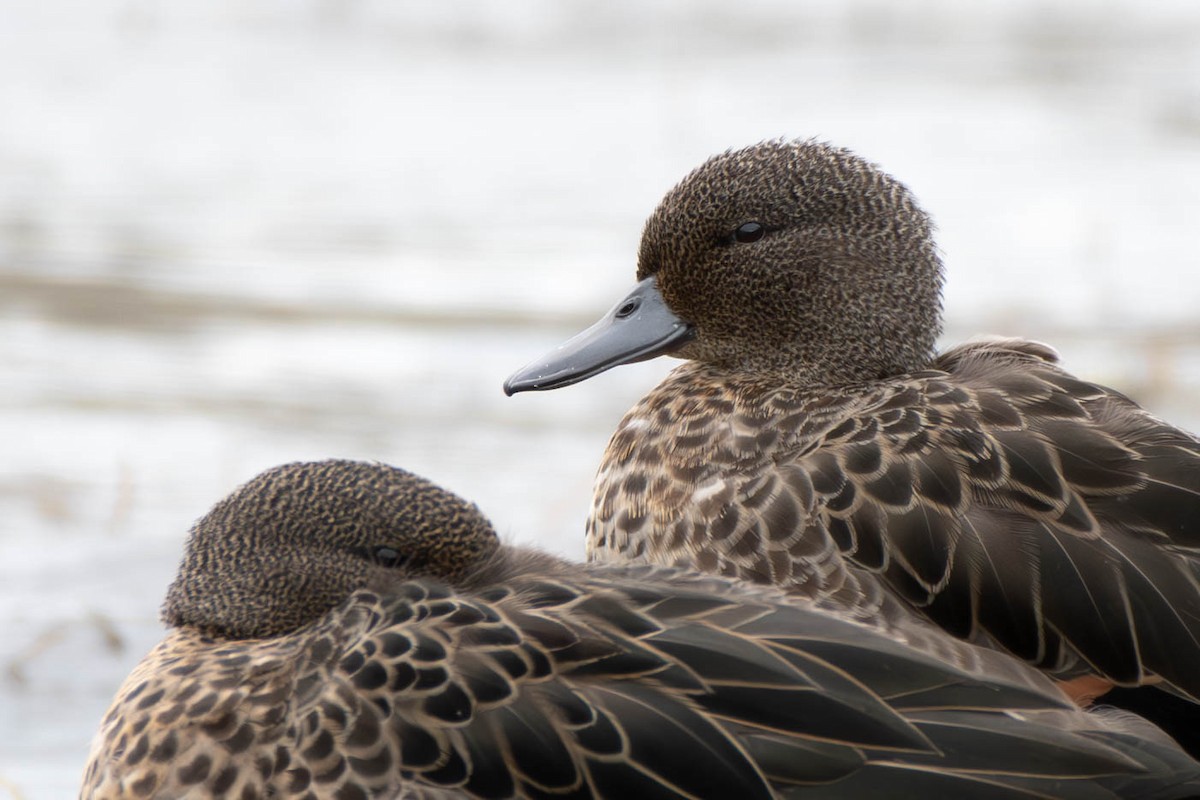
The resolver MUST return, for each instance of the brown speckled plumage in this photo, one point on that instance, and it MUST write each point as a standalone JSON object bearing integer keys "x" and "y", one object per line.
{"x": 816, "y": 441}
{"x": 514, "y": 674}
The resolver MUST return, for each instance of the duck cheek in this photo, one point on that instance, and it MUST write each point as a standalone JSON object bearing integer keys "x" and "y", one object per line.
{"x": 695, "y": 350}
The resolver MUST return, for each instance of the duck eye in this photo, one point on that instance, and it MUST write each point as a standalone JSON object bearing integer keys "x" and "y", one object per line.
{"x": 388, "y": 557}
{"x": 749, "y": 232}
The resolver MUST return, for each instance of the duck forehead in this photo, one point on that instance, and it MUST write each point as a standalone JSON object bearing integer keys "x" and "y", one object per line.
{"x": 341, "y": 503}
{"x": 707, "y": 206}
{"x": 752, "y": 181}
{"x": 775, "y": 184}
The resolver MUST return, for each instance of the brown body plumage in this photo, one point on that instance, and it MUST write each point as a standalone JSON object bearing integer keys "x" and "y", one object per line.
{"x": 440, "y": 664}
{"x": 817, "y": 442}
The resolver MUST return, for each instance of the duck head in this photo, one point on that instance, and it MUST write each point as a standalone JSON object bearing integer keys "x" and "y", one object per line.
{"x": 295, "y": 541}
{"x": 795, "y": 258}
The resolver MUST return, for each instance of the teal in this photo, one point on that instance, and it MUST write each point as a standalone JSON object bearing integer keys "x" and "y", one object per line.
{"x": 816, "y": 440}
{"x": 349, "y": 630}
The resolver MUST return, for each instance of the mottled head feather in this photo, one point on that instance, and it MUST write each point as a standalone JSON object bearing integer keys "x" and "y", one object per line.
{"x": 298, "y": 539}
{"x": 843, "y": 286}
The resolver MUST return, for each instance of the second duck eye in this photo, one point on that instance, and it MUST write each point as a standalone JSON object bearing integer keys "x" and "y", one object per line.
{"x": 749, "y": 232}
{"x": 388, "y": 557}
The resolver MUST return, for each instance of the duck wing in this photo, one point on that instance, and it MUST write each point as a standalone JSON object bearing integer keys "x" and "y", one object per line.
{"x": 628, "y": 681}
{"x": 1006, "y": 500}
{"x": 1015, "y": 503}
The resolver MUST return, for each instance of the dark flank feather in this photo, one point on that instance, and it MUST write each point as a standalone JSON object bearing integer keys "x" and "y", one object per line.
{"x": 437, "y": 663}
{"x": 817, "y": 442}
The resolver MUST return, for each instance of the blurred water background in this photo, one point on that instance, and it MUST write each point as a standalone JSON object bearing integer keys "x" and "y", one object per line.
{"x": 234, "y": 234}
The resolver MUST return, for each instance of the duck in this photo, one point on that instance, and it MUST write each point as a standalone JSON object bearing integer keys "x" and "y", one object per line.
{"x": 816, "y": 439}
{"x": 345, "y": 629}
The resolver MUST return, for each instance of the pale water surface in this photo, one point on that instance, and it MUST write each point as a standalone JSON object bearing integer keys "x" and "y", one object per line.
{"x": 234, "y": 234}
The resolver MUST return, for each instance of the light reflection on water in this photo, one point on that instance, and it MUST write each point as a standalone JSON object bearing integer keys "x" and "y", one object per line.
{"x": 231, "y": 238}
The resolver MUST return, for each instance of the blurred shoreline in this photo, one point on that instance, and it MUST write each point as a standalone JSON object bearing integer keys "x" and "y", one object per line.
{"x": 238, "y": 234}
